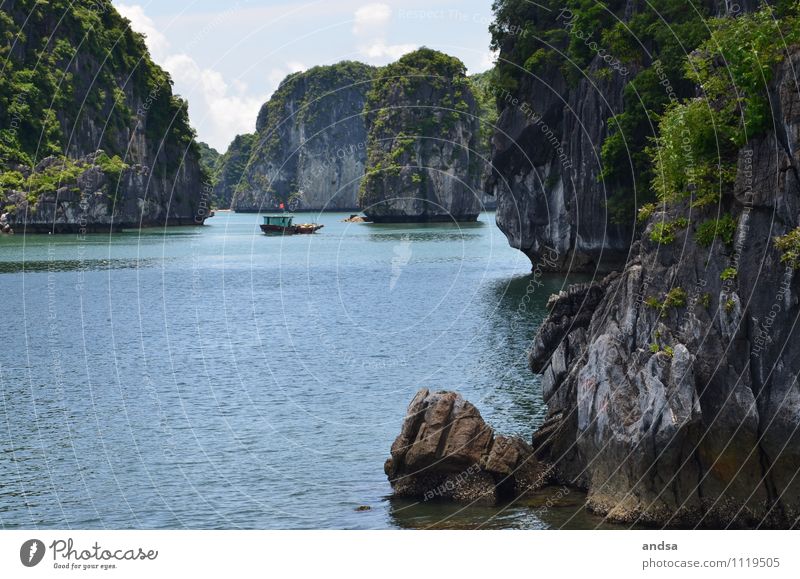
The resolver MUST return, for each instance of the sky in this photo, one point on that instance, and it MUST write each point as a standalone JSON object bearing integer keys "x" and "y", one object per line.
{"x": 227, "y": 57}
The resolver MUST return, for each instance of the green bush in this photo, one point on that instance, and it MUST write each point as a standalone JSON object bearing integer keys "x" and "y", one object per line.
{"x": 675, "y": 298}
{"x": 653, "y": 302}
{"x": 663, "y": 232}
{"x": 723, "y": 228}
{"x": 646, "y": 212}
{"x": 789, "y": 246}
{"x": 11, "y": 180}
{"x": 728, "y": 273}
{"x": 694, "y": 155}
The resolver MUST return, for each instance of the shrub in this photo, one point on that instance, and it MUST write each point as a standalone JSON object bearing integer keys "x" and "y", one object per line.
{"x": 695, "y": 152}
{"x": 728, "y": 273}
{"x": 789, "y": 246}
{"x": 723, "y": 228}
{"x": 675, "y": 298}
{"x": 664, "y": 231}
{"x": 646, "y": 212}
{"x": 653, "y": 302}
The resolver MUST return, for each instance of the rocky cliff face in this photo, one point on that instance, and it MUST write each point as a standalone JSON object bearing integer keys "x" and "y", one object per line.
{"x": 311, "y": 142}
{"x": 549, "y": 200}
{"x": 82, "y": 83}
{"x": 672, "y": 386}
{"x": 577, "y": 90}
{"x": 424, "y": 140}
{"x": 96, "y": 193}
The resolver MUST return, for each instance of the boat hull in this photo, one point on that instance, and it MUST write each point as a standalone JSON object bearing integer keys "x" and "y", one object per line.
{"x": 306, "y": 229}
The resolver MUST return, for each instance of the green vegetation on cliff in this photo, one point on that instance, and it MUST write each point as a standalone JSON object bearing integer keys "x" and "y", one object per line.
{"x": 699, "y": 139}
{"x": 789, "y": 246}
{"x": 422, "y": 95}
{"x": 482, "y": 88}
{"x": 75, "y": 78}
{"x": 230, "y": 170}
{"x": 209, "y": 160}
{"x": 647, "y": 48}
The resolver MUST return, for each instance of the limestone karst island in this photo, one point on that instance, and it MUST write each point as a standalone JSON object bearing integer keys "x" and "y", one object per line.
{"x": 486, "y": 265}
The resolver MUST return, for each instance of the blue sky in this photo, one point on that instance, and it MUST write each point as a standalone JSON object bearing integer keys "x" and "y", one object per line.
{"x": 227, "y": 57}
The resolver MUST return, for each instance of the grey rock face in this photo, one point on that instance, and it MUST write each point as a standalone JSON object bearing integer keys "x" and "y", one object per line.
{"x": 311, "y": 143}
{"x": 546, "y": 166}
{"x": 446, "y": 451}
{"x": 97, "y": 201}
{"x": 689, "y": 414}
{"x": 424, "y": 163}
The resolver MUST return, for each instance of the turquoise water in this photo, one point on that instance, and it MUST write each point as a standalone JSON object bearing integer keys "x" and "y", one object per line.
{"x": 215, "y": 377}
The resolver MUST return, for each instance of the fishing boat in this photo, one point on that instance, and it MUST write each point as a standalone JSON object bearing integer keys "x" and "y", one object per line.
{"x": 282, "y": 224}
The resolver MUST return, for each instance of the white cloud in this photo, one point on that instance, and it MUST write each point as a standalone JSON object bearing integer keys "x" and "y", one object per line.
{"x": 370, "y": 17}
{"x": 370, "y": 26}
{"x": 487, "y": 61}
{"x": 379, "y": 50}
{"x": 295, "y": 66}
{"x": 277, "y": 74}
{"x": 221, "y": 110}
{"x": 156, "y": 42}
{"x": 217, "y": 109}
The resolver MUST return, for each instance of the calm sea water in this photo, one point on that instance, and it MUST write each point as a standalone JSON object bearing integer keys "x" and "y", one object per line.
{"x": 215, "y": 377}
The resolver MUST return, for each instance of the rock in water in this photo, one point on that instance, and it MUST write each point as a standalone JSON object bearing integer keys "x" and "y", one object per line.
{"x": 423, "y": 138}
{"x": 446, "y": 451}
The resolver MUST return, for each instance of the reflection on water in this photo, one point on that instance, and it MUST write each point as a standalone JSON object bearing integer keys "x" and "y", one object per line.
{"x": 420, "y": 237}
{"x": 548, "y": 508}
{"x": 62, "y": 265}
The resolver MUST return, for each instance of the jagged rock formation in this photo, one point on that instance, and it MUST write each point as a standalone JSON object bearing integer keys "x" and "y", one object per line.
{"x": 79, "y": 83}
{"x": 231, "y": 168}
{"x": 577, "y": 90}
{"x": 446, "y": 451}
{"x": 424, "y": 140}
{"x": 672, "y": 386}
{"x": 95, "y": 193}
{"x": 311, "y": 142}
